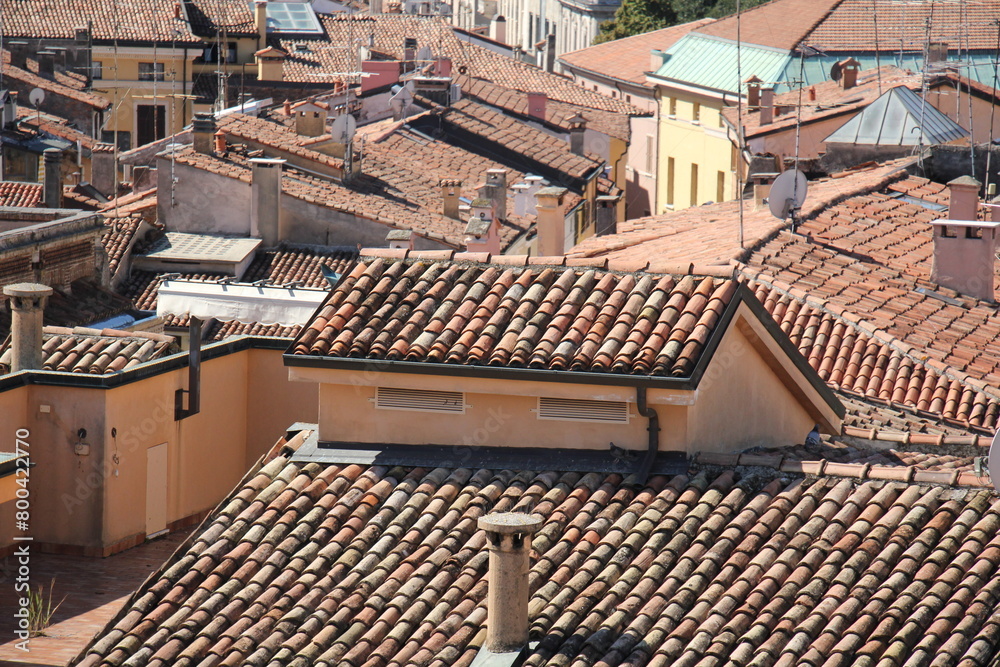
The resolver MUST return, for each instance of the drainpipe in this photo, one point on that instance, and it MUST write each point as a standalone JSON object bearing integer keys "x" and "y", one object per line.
{"x": 653, "y": 445}
{"x": 194, "y": 376}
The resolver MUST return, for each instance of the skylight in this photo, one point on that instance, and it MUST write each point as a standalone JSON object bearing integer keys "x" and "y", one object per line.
{"x": 291, "y": 16}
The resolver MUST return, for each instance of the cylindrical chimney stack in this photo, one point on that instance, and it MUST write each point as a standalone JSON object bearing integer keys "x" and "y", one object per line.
{"x": 27, "y": 305}
{"x": 52, "y": 188}
{"x": 509, "y": 537}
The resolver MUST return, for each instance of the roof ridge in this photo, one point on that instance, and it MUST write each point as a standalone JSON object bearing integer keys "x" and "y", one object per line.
{"x": 861, "y": 471}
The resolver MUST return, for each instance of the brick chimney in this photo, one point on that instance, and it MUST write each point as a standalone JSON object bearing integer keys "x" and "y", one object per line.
{"x": 753, "y": 91}
{"x": 265, "y": 211}
{"x": 536, "y": 105}
{"x": 27, "y": 306}
{"x": 965, "y": 248}
{"x": 451, "y": 190}
{"x": 508, "y": 535}
{"x": 849, "y": 73}
{"x": 767, "y": 106}
{"x": 550, "y": 221}
{"x": 52, "y": 189}
{"x": 203, "y": 132}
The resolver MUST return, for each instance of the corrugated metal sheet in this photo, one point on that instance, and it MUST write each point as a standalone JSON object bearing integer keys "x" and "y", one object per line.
{"x": 710, "y": 62}
{"x": 978, "y": 66}
{"x": 898, "y": 118}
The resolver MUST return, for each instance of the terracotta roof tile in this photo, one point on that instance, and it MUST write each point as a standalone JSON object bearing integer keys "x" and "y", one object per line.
{"x": 141, "y": 286}
{"x": 65, "y": 84}
{"x": 569, "y": 319}
{"x": 628, "y": 58}
{"x": 17, "y": 193}
{"x": 781, "y": 24}
{"x": 84, "y": 303}
{"x": 298, "y": 264}
{"x": 386, "y": 566}
{"x": 235, "y": 328}
{"x": 118, "y": 238}
{"x": 95, "y": 351}
{"x": 140, "y": 20}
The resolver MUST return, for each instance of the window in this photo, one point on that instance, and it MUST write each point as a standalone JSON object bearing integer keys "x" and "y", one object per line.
{"x": 567, "y": 409}
{"x": 673, "y": 106}
{"x": 628, "y": 98}
{"x": 670, "y": 181}
{"x": 19, "y": 165}
{"x": 211, "y": 53}
{"x": 147, "y": 71}
{"x": 720, "y": 187}
{"x": 696, "y": 112}
{"x": 694, "y": 185}
{"x": 96, "y": 70}
{"x": 122, "y": 138}
{"x": 150, "y": 123}
{"x": 421, "y": 400}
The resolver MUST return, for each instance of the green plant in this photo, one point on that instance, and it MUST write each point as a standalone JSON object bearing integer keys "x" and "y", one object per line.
{"x": 40, "y": 610}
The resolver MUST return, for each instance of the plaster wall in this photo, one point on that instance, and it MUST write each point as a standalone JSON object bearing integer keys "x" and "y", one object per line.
{"x": 640, "y": 171}
{"x": 743, "y": 402}
{"x": 204, "y": 203}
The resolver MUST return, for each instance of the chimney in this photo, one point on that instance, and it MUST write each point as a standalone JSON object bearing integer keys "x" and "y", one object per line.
{"x": 270, "y": 64}
{"x": 550, "y": 222}
{"x": 53, "y": 177}
{"x": 536, "y": 105}
{"x": 767, "y": 106}
{"x": 607, "y": 214}
{"x": 761, "y": 189}
{"x": 400, "y": 238}
{"x": 442, "y": 67}
{"x": 46, "y": 63}
{"x": 963, "y": 198}
{"x": 102, "y": 168}
{"x": 849, "y": 73}
{"x": 508, "y": 535}
{"x": 753, "y": 92}
{"x": 812, "y": 93}
{"x": 498, "y": 29}
{"x": 550, "y": 53}
{"x": 265, "y": 215}
{"x": 9, "y": 110}
{"x": 177, "y": 10}
{"x": 260, "y": 21}
{"x": 220, "y": 142}
{"x": 380, "y": 73}
{"x": 18, "y": 53}
{"x": 140, "y": 178}
{"x": 577, "y": 130}
{"x": 286, "y": 108}
{"x": 310, "y": 123}
{"x": 495, "y": 190}
{"x": 27, "y": 306}
{"x": 482, "y": 231}
{"x": 375, "y": 7}
{"x": 202, "y": 132}
{"x": 451, "y": 190}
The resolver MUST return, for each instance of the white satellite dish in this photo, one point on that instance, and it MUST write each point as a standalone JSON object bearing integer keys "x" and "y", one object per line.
{"x": 425, "y": 53}
{"x": 36, "y": 97}
{"x": 993, "y": 462}
{"x": 402, "y": 99}
{"x": 788, "y": 193}
{"x": 343, "y": 128}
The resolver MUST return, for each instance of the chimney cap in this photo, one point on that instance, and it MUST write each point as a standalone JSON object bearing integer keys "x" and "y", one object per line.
{"x": 965, "y": 181}
{"x": 509, "y": 523}
{"x": 28, "y": 290}
{"x": 551, "y": 191}
{"x": 399, "y": 235}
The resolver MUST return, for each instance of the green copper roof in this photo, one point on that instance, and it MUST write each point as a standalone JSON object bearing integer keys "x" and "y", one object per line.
{"x": 710, "y": 62}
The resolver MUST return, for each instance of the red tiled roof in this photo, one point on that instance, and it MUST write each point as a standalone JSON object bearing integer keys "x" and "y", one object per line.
{"x": 266, "y": 133}
{"x": 117, "y": 239}
{"x": 130, "y": 204}
{"x": 95, "y": 351}
{"x": 285, "y": 265}
{"x": 525, "y": 317}
{"x": 84, "y": 303}
{"x": 133, "y": 21}
{"x": 64, "y": 84}
{"x": 142, "y": 286}
{"x": 326, "y": 564}
{"x": 209, "y": 17}
{"x": 850, "y": 25}
{"x": 227, "y": 329}
{"x": 780, "y": 24}
{"x": 628, "y": 59}
{"x": 31, "y": 120}
{"x": 16, "y": 193}
{"x": 388, "y": 33}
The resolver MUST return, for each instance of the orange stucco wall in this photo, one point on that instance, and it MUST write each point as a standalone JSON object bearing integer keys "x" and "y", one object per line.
{"x": 92, "y": 499}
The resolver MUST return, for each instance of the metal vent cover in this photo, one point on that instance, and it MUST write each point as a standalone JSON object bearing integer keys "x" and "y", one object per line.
{"x": 419, "y": 400}
{"x": 568, "y": 409}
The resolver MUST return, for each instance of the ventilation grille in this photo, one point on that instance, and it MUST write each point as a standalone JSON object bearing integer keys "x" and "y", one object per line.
{"x": 564, "y": 409}
{"x": 419, "y": 400}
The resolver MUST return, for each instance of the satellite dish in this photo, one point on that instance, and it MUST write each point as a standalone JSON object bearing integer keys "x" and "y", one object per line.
{"x": 36, "y": 97}
{"x": 994, "y": 461}
{"x": 343, "y": 128}
{"x": 788, "y": 193}
{"x": 835, "y": 71}
{"x": 425, "y": 53}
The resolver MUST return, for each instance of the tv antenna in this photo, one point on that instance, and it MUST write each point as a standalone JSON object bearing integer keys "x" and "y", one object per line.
{"x": 788, "y": 193}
